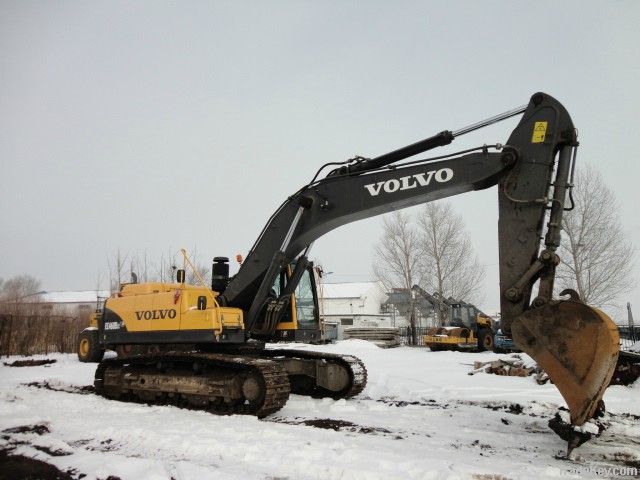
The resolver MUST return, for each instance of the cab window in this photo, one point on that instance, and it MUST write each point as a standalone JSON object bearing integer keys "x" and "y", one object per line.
{"x": 305, "y": 301}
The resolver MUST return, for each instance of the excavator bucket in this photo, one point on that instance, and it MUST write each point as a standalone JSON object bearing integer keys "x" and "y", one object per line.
{"x": 576, "y": 345}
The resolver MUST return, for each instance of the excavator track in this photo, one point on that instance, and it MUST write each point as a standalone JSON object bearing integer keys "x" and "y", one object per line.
{"x": 353, "y": 366}
{"x": 216, "y": 382}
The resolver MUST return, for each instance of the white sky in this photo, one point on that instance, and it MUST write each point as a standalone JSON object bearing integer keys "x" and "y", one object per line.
{"x": 148, "y": 126}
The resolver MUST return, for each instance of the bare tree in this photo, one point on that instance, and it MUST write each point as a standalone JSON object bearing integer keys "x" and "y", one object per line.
{"x": 16, "y": 289}
{"x": 140, "y": 265}
{"x": 450, "y": 268}
{"x": 397, "y": 260}
{"x": 165, "y": 268}
{"x": 397, "y": 253}
{"x": 597, "y": 258}
{"x": 18, "y": 297}
{"x": 117, "y": 270}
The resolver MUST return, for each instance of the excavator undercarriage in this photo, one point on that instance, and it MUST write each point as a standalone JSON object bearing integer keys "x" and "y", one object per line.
{"x": 253, "y": 381}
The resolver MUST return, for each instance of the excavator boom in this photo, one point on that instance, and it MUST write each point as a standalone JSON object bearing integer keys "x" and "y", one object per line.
{"x": 576, "y": 344}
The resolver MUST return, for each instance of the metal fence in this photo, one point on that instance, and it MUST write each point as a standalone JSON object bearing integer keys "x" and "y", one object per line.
{"x": 35, "y": 334}
{"x": 412, "y": 337}
{"x": 628, "y": 335}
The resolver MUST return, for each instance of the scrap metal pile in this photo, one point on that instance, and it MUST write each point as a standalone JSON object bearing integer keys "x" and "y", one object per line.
{"x": 515, "y": 366}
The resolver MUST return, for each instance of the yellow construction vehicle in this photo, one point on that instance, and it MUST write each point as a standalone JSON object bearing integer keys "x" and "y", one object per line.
{"x": 204, "y": 345}
{"x": 89, "y": 347}
{"x": 467, "y": 328}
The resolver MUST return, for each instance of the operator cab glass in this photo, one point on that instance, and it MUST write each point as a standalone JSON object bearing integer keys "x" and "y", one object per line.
{"x": 306, "y": 301}
{"x": 305, "y": 298}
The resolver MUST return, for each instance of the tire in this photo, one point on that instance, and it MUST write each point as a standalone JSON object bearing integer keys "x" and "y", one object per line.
{"x": 88, "y": 348}
{"x": 485, "y": 340}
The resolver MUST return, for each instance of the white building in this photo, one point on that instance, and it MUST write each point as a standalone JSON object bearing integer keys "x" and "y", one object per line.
{"x": 355, "y": 304}
{"x": 68, "y": 303}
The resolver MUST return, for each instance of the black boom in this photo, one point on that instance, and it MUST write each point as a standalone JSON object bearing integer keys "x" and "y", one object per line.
{"x": 369, "y": 187}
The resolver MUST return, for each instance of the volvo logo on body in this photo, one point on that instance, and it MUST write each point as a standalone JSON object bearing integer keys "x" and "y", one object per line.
{"x": 410, "y": 181}
{"x": 155, "y": 314}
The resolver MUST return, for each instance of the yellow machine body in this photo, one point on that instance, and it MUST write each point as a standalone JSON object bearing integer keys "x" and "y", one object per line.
{"x": 169, "y": 312}
{"x": 459, "y": 338}
{"x": 450, "y": 338}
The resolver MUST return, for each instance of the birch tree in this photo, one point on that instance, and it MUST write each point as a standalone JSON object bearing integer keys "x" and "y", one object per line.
{"x": 397, "y": 260}
{"x": 397, "y": 253}
{"x": 596, "y": 257}
{"x": 449, "y": 266}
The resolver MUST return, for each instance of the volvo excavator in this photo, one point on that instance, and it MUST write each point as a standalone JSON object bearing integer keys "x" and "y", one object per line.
{"x": 205, "y": 346}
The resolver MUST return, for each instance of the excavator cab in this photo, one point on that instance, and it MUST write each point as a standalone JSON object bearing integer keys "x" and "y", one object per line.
{"x": 300, "y": 321}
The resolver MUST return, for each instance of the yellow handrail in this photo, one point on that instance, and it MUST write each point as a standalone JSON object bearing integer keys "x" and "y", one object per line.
{"x": 186, "y": 261}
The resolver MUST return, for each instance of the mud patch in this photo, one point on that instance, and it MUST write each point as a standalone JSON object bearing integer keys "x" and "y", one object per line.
{"x": 330, "y": 424}
{"x": 483, "y": 446}
{"x": 336, "y": 425}
{"x": 512, "y": 408}
{"x": 394, "y": 402}
{"x": 18, "y": 466}
{"x": 489, "y": 476}
{"x": 51, "y": 452}
{"x": 30, "y": 363}
{"x": 38, "y": 429}
{"x": 515, "y": 408}
{"x": 628, "y": 416}
{"x": 83, "y": 390}
{"x": 627, "y": 459}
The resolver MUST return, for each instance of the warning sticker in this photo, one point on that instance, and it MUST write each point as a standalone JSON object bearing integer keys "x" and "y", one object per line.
{"x": 539, "y": 132}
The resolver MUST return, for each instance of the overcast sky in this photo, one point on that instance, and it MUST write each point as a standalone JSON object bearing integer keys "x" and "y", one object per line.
{"x": 148, "y": 126}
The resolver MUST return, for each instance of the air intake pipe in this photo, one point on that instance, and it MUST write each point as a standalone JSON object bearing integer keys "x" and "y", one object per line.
{"x": 220, "y": 274}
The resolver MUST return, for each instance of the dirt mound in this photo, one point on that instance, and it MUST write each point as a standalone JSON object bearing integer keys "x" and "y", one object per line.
{"x": 13, "y": 467}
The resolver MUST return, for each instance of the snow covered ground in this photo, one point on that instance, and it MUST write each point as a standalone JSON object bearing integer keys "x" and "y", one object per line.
{"x": 420, "y": 417}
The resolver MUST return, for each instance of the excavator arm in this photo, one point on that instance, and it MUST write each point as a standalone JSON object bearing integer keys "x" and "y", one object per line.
{"x": 577, "y": 345}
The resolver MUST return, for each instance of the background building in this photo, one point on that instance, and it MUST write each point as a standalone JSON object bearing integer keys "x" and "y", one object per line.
{"x": 66, "y": 303}
{"x": 357, "y": 304}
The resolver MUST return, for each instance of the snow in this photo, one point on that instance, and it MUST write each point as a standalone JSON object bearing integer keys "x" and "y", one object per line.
{"x": 420, "y": 417}
{"x": 635, "y": 347}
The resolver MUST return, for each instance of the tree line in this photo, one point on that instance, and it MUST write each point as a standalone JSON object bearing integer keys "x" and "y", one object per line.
{"x": 432, "y": 249}
{"x": 122, "y": 265}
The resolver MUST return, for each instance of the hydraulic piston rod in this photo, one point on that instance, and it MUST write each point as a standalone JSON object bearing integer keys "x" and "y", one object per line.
{"x": 439, "y": 140}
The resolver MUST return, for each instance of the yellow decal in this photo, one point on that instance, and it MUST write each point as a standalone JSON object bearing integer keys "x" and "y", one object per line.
{"x": 539, "y": 132}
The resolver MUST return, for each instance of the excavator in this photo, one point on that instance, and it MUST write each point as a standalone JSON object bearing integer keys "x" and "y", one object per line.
{"x": 204, "y": 347}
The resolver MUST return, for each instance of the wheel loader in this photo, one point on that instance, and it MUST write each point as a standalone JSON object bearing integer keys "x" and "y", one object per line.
{"x": 204, "y": 346}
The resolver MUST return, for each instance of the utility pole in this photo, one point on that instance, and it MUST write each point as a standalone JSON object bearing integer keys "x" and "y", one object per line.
{"x": 632, "y": 328}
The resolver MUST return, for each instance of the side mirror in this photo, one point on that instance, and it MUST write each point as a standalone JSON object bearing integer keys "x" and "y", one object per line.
{"x": 202, "y": 302}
